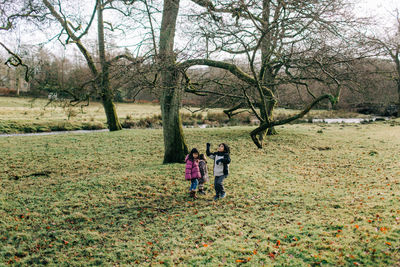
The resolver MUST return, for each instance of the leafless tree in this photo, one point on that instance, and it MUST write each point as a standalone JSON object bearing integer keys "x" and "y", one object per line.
{"x": 74, "y": 34}
{"x": 389, "y": 43}
{"x": 283, "y": 42}
{"x": 11, "y": 13}
{"x": 71, "y": 25}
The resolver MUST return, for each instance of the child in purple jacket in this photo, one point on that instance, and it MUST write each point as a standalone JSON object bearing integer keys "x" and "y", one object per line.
{"x": 192, "y": 171}
{"x": 204, "y": 173}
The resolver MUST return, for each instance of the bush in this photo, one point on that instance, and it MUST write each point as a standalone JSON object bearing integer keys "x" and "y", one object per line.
{"x": 148, "y": 122}
{"x": 7, "y": 127}
{"x": 93, "y": 126}
{"x": 128, "y": 124}
{"x": 192, "y": 118}
{"x": 217, "y": 116}
{"x": 243, "y": 117}
{"x": 7, "y": 91}
{"x": 41, "y": 129}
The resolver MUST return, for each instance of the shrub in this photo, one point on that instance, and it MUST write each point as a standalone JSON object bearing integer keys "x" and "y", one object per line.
{"x": 7, "y": 91}
{"x": 243, "y": 117}
{"x": 217, "y": 116}
{"x": 148, "y": 122}
{"x": 43, "y": 128}
{"x": 93, "y": 126}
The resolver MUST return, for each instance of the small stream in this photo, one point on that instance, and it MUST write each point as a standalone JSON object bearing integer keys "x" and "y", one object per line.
{"x": 54, "y": 133}
{"x": 350, "y": 120}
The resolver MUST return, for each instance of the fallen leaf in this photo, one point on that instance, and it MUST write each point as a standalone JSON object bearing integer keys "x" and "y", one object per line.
{"x": 271, "y": 255}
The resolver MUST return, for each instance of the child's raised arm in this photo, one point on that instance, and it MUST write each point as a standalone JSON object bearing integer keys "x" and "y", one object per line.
{"x": 209, "y": 154}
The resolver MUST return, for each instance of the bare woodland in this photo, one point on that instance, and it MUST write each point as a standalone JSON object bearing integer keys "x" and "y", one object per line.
{"x": 252, "y": 56}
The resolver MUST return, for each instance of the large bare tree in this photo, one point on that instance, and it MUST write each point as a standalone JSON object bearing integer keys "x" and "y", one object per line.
{"x": 283, "y": 42}
{"x": 100, "y": 76}
{"x": 389, "y": 42}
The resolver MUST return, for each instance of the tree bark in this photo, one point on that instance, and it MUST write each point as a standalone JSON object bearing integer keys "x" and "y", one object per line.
{"x": 398, "y": 100}
{"x": 268, "y": 44}
{"x": 174, "y": 141}
{"x": 396, "y": 59}
{"x": 104, "y": 80}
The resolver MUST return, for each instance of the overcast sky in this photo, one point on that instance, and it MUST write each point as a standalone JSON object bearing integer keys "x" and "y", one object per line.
{"x": 380, "y": 9}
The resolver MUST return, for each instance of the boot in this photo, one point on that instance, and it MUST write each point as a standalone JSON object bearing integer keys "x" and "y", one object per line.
{"x": 193, "y": 194}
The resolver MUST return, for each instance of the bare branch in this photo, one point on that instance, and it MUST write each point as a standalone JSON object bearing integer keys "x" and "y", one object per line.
{"x": 264, "y": 126}
{"x": 16, "y": 61}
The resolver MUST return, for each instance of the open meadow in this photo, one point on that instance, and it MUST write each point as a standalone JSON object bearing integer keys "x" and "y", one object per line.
{"x": 315, "y": 195}
{"x": 20, "y": 114}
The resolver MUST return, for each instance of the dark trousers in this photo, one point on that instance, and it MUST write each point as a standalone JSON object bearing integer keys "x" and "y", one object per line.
{"x": 219, "y": 186}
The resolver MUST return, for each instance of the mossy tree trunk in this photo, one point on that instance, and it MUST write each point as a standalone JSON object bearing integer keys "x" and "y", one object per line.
{"x": 174, "y": 141}
{"x": 269, "y": 45}
{"x": 396, "y": 58}
{"x": 398, "y": 100}
{"x": 270, "y": 110}
{"x": 104, "y": 79}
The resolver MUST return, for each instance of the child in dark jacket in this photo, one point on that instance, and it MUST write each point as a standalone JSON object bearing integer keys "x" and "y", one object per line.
{"x": 221, "y": 167}
{"x": 192, "y": 171}
{"x": 204, "y": 174}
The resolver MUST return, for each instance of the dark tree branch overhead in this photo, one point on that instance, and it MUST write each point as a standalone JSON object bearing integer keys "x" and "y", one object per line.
{"x": 10, "y": 13}
{"x": 16, "y": 61}
{"x": 63, "y": 22}
{"x": 85, "y": 32}
{"x": 264, "y": 126}
{"x": 235, "y": 70}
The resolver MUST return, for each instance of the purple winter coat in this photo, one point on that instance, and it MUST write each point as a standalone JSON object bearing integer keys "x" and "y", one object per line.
{"x": 192, "y": 169}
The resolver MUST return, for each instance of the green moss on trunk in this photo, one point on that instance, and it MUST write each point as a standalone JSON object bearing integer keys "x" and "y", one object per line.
{"x": 175, "y": 148}
{"x": 111, "y": 114}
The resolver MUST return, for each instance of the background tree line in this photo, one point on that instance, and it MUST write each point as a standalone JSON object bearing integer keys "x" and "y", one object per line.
{"x": 373, "y": 88}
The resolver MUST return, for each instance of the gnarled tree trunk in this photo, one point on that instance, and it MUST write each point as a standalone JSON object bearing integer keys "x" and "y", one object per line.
{"x": 398, "y": 100}
{"x": 268, "y": 46}
{"x": 397, "y": 61}
{"x": 174, "y": 141}
{"x": 103, "y": 81}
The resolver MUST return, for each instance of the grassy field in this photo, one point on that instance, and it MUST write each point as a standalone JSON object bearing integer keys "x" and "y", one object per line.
{"x": 22, "y": 108}
{"x": 315, "y": 195}
{"x": 19, "y": 115}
